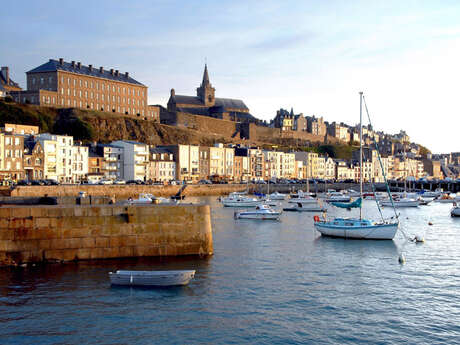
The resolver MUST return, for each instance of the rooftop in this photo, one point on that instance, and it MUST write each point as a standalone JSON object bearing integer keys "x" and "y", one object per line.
{"x": 61, "y": 65}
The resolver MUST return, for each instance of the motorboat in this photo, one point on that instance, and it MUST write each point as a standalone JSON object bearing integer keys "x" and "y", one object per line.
{"x": 445, "y": 199}
{"x": 358, "y": 228}
{"x": 151, "y": 278}
{"x": 304, "y": 198}
{"x": 337, "y": 197}
{"x": 300, "y": 207}
{"x": 240, "y": 201}
{"x": 432, "y": 194}
{"x": 455, "y": 212}
{"x": 262, "y": 212}
{"x": 277, "y": 196}
{"x": 146, "y": 198}
{"x": 400, "y": 202}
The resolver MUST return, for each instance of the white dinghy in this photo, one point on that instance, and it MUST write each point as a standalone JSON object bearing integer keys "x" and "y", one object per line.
{"x": 151, "y": 278}
{"x": 262, "y": 212}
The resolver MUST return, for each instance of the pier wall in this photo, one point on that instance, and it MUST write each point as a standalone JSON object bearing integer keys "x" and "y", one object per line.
{"x": 65, "y": 233}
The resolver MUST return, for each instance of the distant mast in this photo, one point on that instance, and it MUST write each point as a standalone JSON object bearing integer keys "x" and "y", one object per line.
{"x": 360, "y": 150}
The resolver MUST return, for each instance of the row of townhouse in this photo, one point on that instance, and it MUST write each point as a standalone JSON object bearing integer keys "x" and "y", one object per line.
{"x": 26, "y": 154}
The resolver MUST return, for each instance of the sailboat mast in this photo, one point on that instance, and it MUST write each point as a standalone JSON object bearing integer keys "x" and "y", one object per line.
{"x": 360, "y": 150}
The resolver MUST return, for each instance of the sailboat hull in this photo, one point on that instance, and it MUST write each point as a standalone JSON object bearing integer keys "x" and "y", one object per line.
{"x": 366, "y": 232}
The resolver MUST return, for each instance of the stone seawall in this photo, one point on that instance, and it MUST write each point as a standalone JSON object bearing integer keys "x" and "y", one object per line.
{"x": 65, "y": 233}
{"x": 125, "y": 191}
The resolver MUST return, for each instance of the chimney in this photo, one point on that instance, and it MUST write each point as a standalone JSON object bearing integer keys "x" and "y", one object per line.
{"x": 111, "y": 71}
{"x": 78, "y": 65}
{"x": 61, "y": 61}
{"x": 101, "y": 69}
{"x": 126, "y": 74}
{"x": 116, "y": 73}
{"x": 6, "y": 74}
{"x": 73, "y": 64}
{"x": 90, "y": 68}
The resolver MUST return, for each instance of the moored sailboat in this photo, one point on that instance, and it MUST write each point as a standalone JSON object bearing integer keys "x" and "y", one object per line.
{"x": 357, "y": 228}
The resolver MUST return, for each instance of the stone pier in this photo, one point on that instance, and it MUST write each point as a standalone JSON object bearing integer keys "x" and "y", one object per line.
{"x": 32, "y": 234}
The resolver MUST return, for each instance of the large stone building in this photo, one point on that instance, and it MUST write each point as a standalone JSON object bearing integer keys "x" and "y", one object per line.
{"x": 58, "y": 83}
{"x": 206, "y": 104}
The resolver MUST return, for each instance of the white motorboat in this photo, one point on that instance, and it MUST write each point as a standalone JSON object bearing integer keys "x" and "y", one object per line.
{"x": 358, "y": 228}
{"x": 455, "y": 212}
{"x": 146, "y": 198}
{"x": 432, "y": 194}
{"x": 445, "y": 199}
{"x": 401, "y": 202}
{"x": 337, "y": 197}
{"x": 277, "y": 196}
{"x": 151, "y": 278}
{"x": 241, "y": 201}
{"x": 262, "y": 212}
{"x": 304, "y": 198}
{"x": 305, "y": 208}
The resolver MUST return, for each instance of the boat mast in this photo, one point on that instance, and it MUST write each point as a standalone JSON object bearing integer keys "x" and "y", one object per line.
{"x": 360, "y": 151}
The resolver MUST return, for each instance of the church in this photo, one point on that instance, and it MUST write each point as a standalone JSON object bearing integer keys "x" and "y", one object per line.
{"x": 206, "y": 104}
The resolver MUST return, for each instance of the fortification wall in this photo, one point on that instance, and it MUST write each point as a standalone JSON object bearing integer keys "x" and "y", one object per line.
{"x": 65, "y": 233}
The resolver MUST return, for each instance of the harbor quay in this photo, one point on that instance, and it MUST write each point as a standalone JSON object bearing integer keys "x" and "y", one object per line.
{"x": 58, "y": 233}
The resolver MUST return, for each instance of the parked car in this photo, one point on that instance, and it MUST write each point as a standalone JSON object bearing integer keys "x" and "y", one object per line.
{"x": 23, "y": 183}
{"x": 51, "y": 182}
{"x": 204, "y": 182}
{"x": 105, "y": 182}
{"x": 37, "y": 183}
{"x": 119, "y": 182}
{"x": 135, "y": 182}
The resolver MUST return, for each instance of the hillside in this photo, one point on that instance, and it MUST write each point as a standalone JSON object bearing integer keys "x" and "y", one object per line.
{"x": 89, "y": 126}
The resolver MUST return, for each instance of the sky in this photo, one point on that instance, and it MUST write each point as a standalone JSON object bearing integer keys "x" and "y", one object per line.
{"x": 314, "y": 56}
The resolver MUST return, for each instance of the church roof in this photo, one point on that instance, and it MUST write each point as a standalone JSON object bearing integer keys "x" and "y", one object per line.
{"x": 219, "y": 102}
{"x": 55, "y": 65}
{"x": 205, "y": 76}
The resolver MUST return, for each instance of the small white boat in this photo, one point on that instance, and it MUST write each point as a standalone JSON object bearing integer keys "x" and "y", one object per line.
{"x": 241, "y": 202}
{"x": 337, "y": 197}
{"x": 455, "y": 212}
{"x": 263, "y": 212}
{"x": 401, "y": 202}
{"x": 431, "y": 194}
{"x": 305, "y": 208}
{"x": 304, "y": 198}
{"x": 151, "y": 278}
{"x": 146, "y": 198}
{"x": 445, "y": 199}
{"x": 277, "y": 196}
{"x": 356, "y": 228}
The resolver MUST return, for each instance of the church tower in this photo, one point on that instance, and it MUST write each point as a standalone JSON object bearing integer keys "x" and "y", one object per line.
{"x": 206, "y": 92}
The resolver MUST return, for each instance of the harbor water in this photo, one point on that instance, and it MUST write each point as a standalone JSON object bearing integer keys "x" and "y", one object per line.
{"x": 268, "y": 282}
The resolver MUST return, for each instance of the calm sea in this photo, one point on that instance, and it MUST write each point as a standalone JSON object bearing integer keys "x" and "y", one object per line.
{"x": 267, "y": 283}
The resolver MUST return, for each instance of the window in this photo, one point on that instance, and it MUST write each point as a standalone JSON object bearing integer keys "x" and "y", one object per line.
{"x": 118, "y": 89}
{"x": 80, "y": 82}
{"x": 91, "y": 84}
{"x": 62, "y": 90}
{"x": 102, "y": 97}
{"x": 75, "y": 82}
{"x": 86, "y": 83}
{"x": 68, "y": 81}
{"x": 33, "y": 81}
{"x": 68, "y": 102}
{"x": 102, "y": 86}
{"x": 74, "y": 92}
{"x": 86, "y": 94}
{"x": 54, "y": 100}
{"x": 41, "y": 80}
{"x": 79, "y": 92}
{"x": 113, "y": 88}
{"x": 68, "y": 92}
{"x": 92, "y": 94}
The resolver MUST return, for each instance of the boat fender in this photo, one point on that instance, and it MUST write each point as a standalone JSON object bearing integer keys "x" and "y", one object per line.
{"x": 316, "y": 218}
{"x": 430, "y": 223}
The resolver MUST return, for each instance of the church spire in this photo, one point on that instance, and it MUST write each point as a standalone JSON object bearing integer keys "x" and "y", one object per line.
{"x": 205, "y": 76}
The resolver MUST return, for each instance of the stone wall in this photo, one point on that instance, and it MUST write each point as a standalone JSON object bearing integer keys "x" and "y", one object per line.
{"x": 121, "y": 192}
{"x": 65, "y": 233}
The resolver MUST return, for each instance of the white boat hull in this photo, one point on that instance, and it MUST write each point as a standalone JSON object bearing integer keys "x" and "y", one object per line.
{"x": 254, "y": 215}
{"x": 248, "y": 203}
{"x": 445, "y": 201}
{"x": 455, "y": 212}
{"x": 151, "y": 278}
{"x": 370, "y": 232}
{"x": 306, "y": 209}
{"x": 339, "y": 199}
{"x": 405, "y": 203}
{"x": 302, "y": 201}
{"x": 277, "y": 196}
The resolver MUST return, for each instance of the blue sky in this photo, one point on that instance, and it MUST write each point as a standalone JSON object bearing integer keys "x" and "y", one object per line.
{"x": 314, "y": 56}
